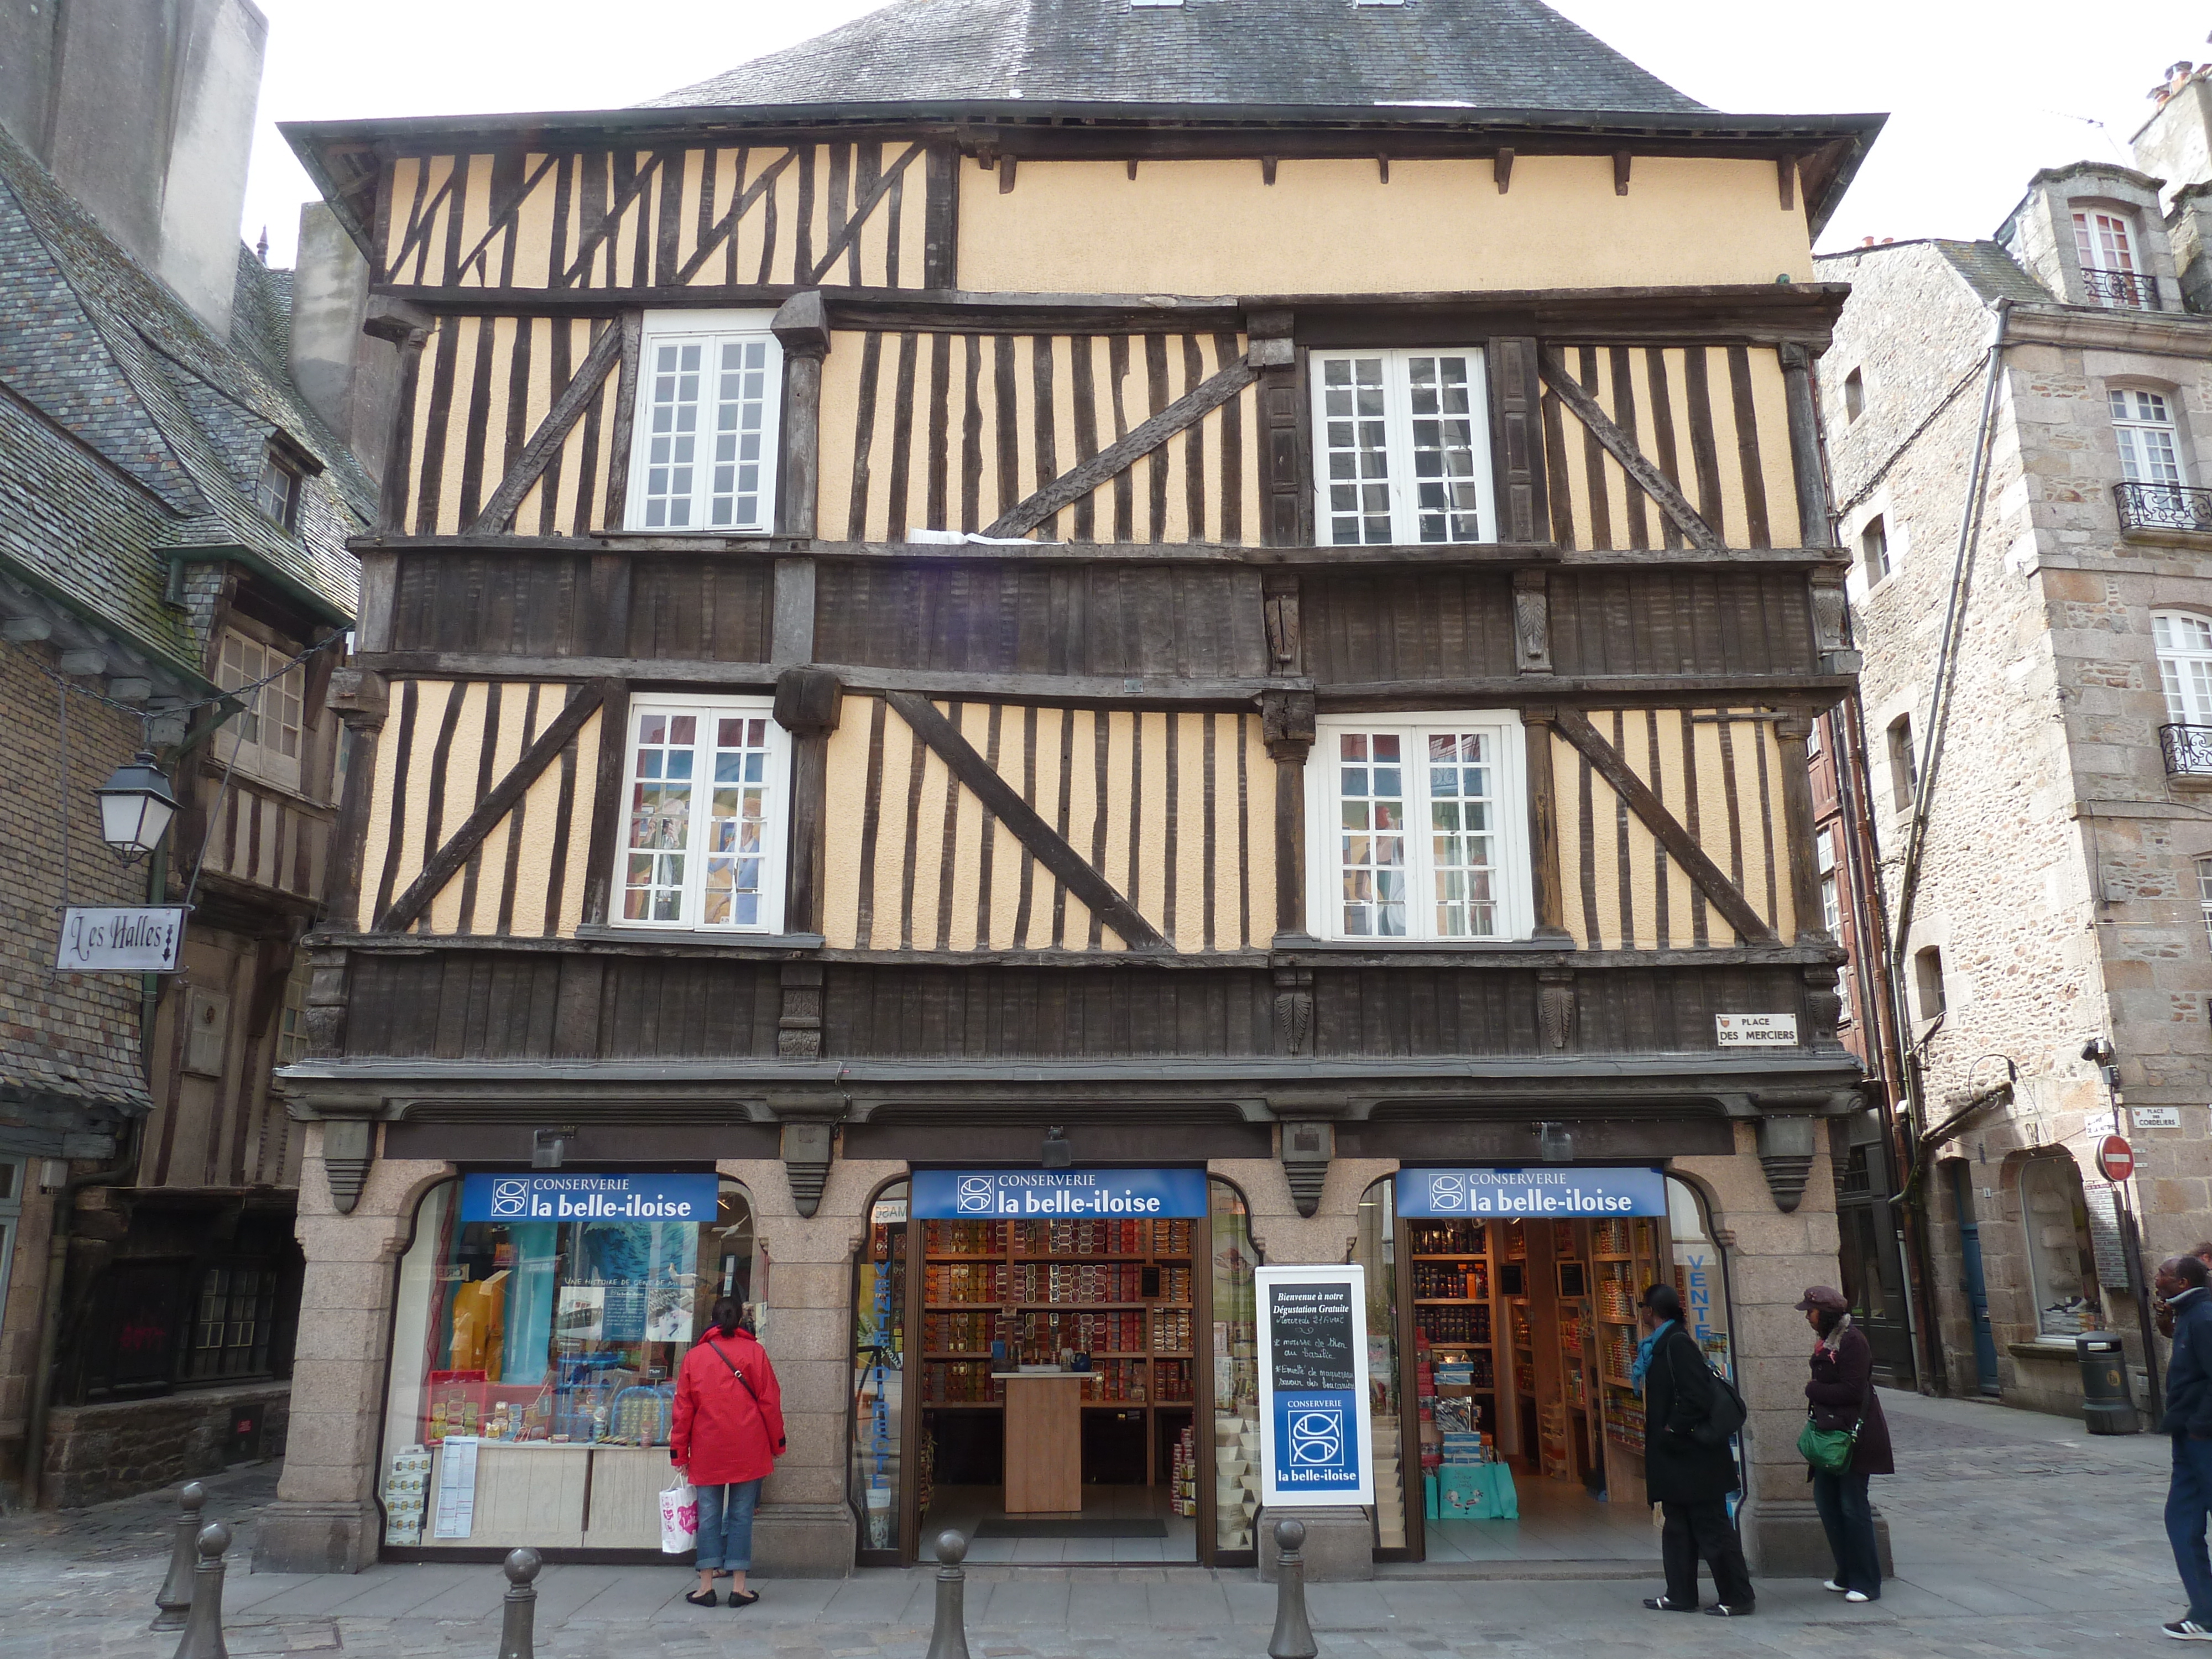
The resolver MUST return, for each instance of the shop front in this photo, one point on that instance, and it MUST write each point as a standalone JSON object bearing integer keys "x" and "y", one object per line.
{"x": 1058, "y": 1364}
{"x": 538, "y": 1322}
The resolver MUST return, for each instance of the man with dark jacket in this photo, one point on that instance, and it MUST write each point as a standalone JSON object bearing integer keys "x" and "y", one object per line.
{"x": 2182, "y": 1285}
{"x": 1688, "y": 1469}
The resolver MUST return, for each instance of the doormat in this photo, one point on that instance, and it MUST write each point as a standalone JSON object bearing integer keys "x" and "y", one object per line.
{"x": 1014, "y": 1526}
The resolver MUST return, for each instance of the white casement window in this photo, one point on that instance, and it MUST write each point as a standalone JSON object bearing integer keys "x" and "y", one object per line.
{"x": 265, "y": 741}
{"x": 2103, "y": 245}
{"x": 1401, "y": 448}
{"x": 2143, "y": 425}
{"x": 2204, "y": 894}
{"x": 1831, "y": 909}
{"x": 709, "y": 398}
{"x": 1417, "y": 827}
{"x": 706, "y": 799}
{"x": 2183, "y": 642}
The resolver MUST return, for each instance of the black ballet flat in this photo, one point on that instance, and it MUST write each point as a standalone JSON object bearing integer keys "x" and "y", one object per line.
{"x": 705, "y": 1598}
{"x": 744, "y": 1598}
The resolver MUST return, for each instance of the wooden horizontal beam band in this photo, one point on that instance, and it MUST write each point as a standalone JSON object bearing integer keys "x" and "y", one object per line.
{"x": 1575, "y": 726}
{"x": 1072, "y": 868}
{"x": 447, "y": 861}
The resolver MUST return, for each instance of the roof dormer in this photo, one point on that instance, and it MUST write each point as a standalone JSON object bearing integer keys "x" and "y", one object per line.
{"x": 2092, "y": 234}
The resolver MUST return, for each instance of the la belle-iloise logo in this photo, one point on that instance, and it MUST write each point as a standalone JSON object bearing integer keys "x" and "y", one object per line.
{"x": 1317, "y": 1437}
{"x": 1448, "y": 1192}
{"x": 976, "y": 1195}
{"x": 510, "y": 1198}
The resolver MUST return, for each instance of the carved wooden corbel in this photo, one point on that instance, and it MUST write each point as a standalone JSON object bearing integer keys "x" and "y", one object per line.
{"x": 1532, "y": 623}
{"x": 1294, "y": 1008}
{"x": 1307, "y": 1149}
{"x": 1555, "y": 1005}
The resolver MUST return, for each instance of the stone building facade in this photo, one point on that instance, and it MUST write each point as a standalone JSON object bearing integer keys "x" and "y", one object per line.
{"x": 2019, "y": 431}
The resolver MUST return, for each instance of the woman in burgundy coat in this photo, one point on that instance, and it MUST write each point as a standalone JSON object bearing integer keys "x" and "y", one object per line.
{"x": 1842, "y": 1394}
{"x": 727, "y": 1431}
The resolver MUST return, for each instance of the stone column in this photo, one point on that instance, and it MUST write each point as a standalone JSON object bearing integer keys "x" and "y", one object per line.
{"x": 1339, "y": 1542}
{"x": 325, "y": 1518}
{"x": 1772, "y": 1256}
{"x": 805, "y": 1528}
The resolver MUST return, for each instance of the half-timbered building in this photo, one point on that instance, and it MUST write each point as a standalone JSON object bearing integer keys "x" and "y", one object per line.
{"x": 1141, "y": 596}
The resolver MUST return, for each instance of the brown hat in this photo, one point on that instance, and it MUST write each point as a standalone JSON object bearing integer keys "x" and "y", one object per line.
{"x": 1822, "y": 1297}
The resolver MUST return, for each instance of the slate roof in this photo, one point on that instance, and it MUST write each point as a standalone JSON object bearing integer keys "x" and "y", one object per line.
{"x": 101, "y": 364}
{"x": 1485, "y": 54}
{"x": 1987, "y": 269}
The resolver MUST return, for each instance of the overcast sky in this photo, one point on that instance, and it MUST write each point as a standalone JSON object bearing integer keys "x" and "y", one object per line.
{"x": 1980, "y": 93}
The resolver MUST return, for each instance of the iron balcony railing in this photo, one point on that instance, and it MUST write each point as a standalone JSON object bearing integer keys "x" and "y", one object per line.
{"x": 2163, "y": 507}
{"x": 2120, "y": 288}
{"x": 2188, "y": 751}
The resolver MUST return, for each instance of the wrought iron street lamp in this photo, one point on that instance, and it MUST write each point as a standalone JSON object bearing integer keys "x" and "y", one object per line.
{"x": 136, "y": 807}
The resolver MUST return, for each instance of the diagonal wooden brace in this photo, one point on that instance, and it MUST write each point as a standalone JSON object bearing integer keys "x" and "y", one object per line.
{"x": 1073, "y": 485}
{"x": 1726, "y": 898}
{"x": 1633, "y": 461}
{"x": 552, "y": 432}
{"x": 982, "y": 780}
{"x": 447, "y": 861}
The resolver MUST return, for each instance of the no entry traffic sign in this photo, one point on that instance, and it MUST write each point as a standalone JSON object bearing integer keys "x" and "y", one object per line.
{"x": 2116, "y": 1160}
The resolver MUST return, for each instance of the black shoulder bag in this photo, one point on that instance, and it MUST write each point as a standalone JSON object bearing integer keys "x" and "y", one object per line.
{"x": 734, "y": 1370}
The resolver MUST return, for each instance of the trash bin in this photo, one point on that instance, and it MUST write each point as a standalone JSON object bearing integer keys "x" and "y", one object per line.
{"x": 2106, "y": 1406}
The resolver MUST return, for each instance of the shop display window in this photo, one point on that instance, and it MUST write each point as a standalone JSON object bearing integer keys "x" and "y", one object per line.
{"x": 528, "y": 1355}
{"x": 878, "y": 1386}
{"x": 1236, "y": 1371}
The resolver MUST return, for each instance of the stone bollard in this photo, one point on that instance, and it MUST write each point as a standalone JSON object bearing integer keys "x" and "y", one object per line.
{"x": 203, "y": 1637}
{"x": 1293, "y": 1638}
{"x": 948, "y": 1636}
{"x": 174, "y": 1598}
{"x": 517, "y": 1639}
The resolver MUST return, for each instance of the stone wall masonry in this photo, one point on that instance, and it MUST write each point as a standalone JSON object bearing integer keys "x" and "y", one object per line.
{"x": 96, "y": 1453}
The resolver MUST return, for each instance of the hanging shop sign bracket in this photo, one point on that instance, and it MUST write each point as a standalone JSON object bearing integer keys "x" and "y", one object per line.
{"x": 1314, "y": 1428}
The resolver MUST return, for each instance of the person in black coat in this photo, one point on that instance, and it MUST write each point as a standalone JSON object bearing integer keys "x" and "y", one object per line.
{"x": 2188, "y": 1422}
{"x": 1841, "y": 1394}
{"x": 1688, "y": 1469}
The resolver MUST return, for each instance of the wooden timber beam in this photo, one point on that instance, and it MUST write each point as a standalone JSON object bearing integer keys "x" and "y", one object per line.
{"x": 1073, "y": 871}
{"x": 866, "y": 205}
{"x": 1622, "y": 448}
{"x": 552, "y": 432}
{"x": 1186, "y": 411}
{"x": 1751, "y": 927}
{"x": 446, "y": 861}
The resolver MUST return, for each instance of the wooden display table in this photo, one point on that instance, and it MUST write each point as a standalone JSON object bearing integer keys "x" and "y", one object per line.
{"x": 1044, "y": 1440}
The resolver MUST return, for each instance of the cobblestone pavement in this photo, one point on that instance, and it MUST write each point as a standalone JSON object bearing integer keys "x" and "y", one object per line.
{"x": 2015, "y": 1535}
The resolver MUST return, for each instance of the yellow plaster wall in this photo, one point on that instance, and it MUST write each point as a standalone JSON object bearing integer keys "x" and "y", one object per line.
{"x": 1202, "y": 227}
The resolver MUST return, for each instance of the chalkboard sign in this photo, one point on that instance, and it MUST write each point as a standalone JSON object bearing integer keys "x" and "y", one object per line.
{"x": 1315, "y": 1432}
{"x": 1309, "y": 1335}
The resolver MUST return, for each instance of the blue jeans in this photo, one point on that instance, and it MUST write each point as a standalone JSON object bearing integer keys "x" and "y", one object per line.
{"x": 1847, "y": 1517}
{"x": 725, "y": 1526}
{"x": 2187, "y": 1501}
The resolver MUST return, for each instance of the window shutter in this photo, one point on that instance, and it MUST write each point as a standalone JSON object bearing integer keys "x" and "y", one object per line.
{"x": 1516, "y": 441}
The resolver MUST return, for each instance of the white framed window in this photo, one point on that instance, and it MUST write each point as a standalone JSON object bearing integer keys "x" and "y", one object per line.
{"x": 1401, "y": 447}
{"x": 1831, "y": 908}
{"x": 2142, "y": 424}
{"x": 278, "y": 489}
{"x": 706, "y": 798}
{"x": 2183, "y": 642}
{"x": 292, "y": 1043}
{"x": 2204, "y": 894}
{"x": 266, "y": 739}
{"x": 709, "y": 401}
{"x": 1417, "y": 827}
{"x": 1873, "y": 550}
{"x": 2105, "y": 248}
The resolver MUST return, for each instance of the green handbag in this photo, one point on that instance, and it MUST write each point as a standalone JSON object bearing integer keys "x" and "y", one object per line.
{"x": 1828, "y": 1448}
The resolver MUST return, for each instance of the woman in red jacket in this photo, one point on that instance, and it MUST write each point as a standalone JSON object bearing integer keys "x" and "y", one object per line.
{"x": 727, "y": 1431}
